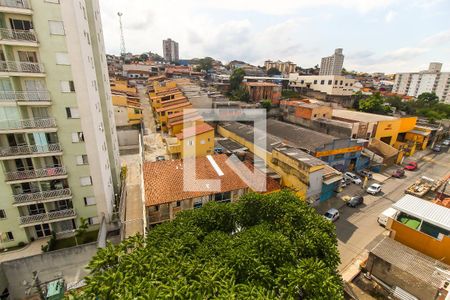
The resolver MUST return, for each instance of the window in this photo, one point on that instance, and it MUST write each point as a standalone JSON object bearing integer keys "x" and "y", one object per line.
{"x": 315, "y": 81}
{"x": 93, "y": 220}
{"x": 20, "y": 24}
{"x": 322, "y": 82}
{"x": 315, "y": 115}
{"x": 346, "y": 84}
{"x": 341, "y": 82}
{"x": 335, "y": 82}
{"x": 190, "y": 143}
{"x": 82, "y": 159}
{"x": 223, "y": 197}
{"x": 56, "y": 27}
{"x": 62, "y": 58}
{"x": 8, "y": 236}
{"x": 67, "y": 86}
{"x": 330, "y": 82}
{"x": 178, "y": 203}
{"x": 202, "y": 142}
{"x": 198, "y": 203}
{"x": 89, "y": 201}
{"x": 85, "y": 181}
{"x": 2, "y": 214}
{"x": 72, "y": 113}
{"x": 77, "y": 137}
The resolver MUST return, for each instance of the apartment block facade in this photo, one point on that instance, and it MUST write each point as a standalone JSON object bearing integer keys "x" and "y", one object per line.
{"x": 58, "y": 146}
{"x": 170, "y": 51}
{"x": 332, "y": 65}
{"x": 429, "y": 81}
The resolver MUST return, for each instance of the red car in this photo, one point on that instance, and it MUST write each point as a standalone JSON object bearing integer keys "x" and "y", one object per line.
{"x": 411, "y": 166}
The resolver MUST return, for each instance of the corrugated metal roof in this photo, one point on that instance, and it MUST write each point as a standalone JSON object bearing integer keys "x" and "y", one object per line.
{"x": 425, "y": 210}
{"x": 419, "y": 265}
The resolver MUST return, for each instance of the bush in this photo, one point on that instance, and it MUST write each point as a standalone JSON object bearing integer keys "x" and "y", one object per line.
{"x": 21, "y": 244}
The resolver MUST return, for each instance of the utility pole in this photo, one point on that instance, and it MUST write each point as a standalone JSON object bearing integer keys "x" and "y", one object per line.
{"x": 122, "y": 39}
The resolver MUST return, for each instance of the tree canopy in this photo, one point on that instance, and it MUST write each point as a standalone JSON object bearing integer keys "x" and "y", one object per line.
{"x": 236, "y": 79}
{"x": 261, "y": 247}
{"x": 205, "y": 64}
{"x": 273, "y": 71}
{"x": 373, "y": 104}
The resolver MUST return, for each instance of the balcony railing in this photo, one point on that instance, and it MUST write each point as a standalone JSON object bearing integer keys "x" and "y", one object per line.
{"x": 25, "y": 96}
{"x": 17, "y": 35}
{"x": 59, "y": 214}
{"x": 21, "y": 66}
{"x": 27, "y": 124}
{"x": 29, "y": 149}
{"x": 42, "y": 196}
{"x": 15, "y": 3}
{"x": 37, "y": 173}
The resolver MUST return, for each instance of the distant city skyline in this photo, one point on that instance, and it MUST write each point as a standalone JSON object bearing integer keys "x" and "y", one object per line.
{"x": 377, "y": 36}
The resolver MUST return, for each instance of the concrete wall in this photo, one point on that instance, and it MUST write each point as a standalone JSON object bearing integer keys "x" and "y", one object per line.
{"x": 69, "y": 263}
{"x": 394, "y": 276}
{"x": 128, "y": 137}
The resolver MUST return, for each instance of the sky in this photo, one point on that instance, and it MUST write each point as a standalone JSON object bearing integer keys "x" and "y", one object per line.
{"x": 376, "y": 35}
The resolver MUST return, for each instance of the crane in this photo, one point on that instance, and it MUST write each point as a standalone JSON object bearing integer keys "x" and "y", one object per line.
{"x": 122, "y": 39}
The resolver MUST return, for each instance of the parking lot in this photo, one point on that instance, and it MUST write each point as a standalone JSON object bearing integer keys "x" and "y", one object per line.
{"x": 358, "y": 227}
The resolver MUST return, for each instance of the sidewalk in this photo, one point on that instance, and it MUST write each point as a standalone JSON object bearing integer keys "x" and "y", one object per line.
{"x": 31, "y": 249}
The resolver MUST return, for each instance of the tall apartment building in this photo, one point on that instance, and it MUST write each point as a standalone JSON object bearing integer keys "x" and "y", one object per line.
{"x": 431, "y": 80}
{"x": 332, "y": 65}
{"x": 284, "y": 67}
{"x": 58, "y": 146}
{"x": 170, "y": 51}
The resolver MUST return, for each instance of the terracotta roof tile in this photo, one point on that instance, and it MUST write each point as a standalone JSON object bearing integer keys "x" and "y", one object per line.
{"x": 163, "y": 180}
{"x": 180, "y": 105}
{"x": 194, "y": 130}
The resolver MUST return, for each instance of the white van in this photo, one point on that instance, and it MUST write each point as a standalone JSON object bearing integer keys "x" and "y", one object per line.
{"x": 385, "y": 215}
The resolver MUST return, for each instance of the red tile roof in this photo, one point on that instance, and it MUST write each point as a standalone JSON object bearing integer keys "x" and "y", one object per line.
{"x": 163, "y": 180}
{"x": 194, "y": 130}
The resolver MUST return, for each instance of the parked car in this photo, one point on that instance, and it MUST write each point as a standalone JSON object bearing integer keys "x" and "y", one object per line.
{"x": 374, "y": 189}
{"x": 355, "y": 179}
{"x": 160, "y": 158}
{"x": 385, "y": 215}
{"x": 355, "y": 201}
{"x": 446, "y": 142}
{"x": 367, "y": 174}
{"x": 331, "y": 215}
{"x": 345, "y": 182}
{"x": 411, "y": 166}
{"x": 398, "y": 173}
{"x": 437, "y": 148}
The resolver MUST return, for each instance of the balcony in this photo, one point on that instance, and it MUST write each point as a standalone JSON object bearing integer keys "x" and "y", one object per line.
{"x": 29, "y": 150}
{"x": 53, "y": 216}
{"x": 16, "y": 37}
{"x": 7, "y": 126}
{"x": 15, "y": 7}
{"x": 46, "y": 196}
{"x": 21, "y": 68}
{"x": 26, "y": 97}
{"x": 35, "y": 174}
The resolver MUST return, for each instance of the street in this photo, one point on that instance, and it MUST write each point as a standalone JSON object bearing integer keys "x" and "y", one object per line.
{"x": 357, "y": 227}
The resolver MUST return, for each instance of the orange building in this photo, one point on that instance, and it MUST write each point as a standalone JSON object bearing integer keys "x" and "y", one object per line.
{"x": 263, "y": 91}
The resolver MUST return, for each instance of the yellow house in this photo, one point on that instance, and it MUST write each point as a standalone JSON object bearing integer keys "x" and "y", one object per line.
{"x": 161, "y": 103}
{"x": 202, "y": 136}
{"x": 159, "y": 87}
{"x": 163, "y": 112}
{"x": 127, "y": 110}
{"x": 157, "y": 99}
{"x": 420, "y": 136}
{"x": 176, "y": 122}
{"x": 423, "y": 226}
{"x": 388, "y": 131}
{"x": 122, "y": 87}
{"x": 296, "y": 168}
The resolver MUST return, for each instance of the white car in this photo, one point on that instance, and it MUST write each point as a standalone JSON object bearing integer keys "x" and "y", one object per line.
{"x": 332, "y": 214}
{"x": 355, "y": 179}
{"x": 374, "y": 189}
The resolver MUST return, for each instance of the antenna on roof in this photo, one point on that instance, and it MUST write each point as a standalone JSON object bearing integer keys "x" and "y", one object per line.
{"x": 122, "y": 39}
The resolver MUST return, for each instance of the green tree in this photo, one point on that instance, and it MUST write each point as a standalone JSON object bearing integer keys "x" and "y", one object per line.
{"x": 267, "y": 104}
{"x": 427, "y": 100}
{"x": 236, "y": 79}
{"x": 205, "y": 64}
{"x": 240, "y": 94}
{"x": 373, "y": 104}
{"x": 81, "y": 230}
{"x": 143, "y": 57}
{"x": 261, "y": 247}
{"x": 273, "y": 71}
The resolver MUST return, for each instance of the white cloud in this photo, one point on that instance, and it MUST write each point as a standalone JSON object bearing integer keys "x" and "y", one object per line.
{"x": 438, "y": 39}
{"x": 390, "y": 16}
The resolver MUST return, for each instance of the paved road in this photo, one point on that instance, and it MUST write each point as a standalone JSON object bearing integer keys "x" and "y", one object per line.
{"x": 357, "y": 227}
